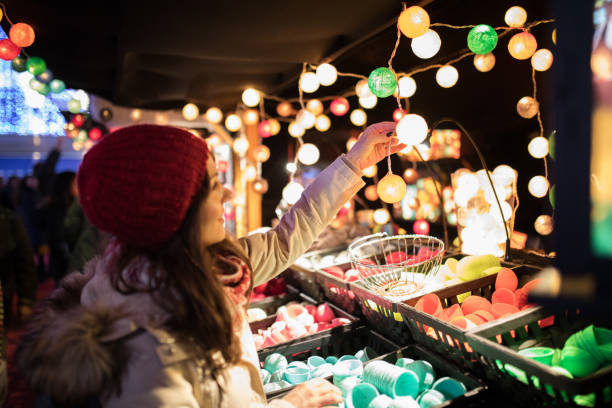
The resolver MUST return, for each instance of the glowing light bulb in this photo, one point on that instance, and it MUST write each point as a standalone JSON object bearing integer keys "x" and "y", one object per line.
{"x": 136, "y": 114}
{"x": 370, "y": 171}
{"x": 381, "y": 216}
{"x": 326, "y": 74}
{"x": 482, "y": 39}
{"x": 309, "y": 82}
{"x": 382, "y": 82}
{"x": 358, "y": 117}
{"x": 515, "y": 16}
{"x": 214, "y": 115}
{"x": 240, "y": 146}
{"x": 233, "y": 122}
{"x": 411, "y": 129}
{"x": 315, "y": 106}
{"x": 308, "y": 154}
{"x": 413, "y": 22}
{"x": 543, "y": 225}
{"x": 368, "y": 102}
{"x": 504, "y": 175}
{"x": 421, "y": 227}
{"x": 538, "y": 186}
{"x": 275, "y": 126}
{"x": 291, "y": 167}
{"x": 362, "y": 90}
{"x": 407, "y": 86}
{"x": 542, "y": 59}
{"x": 322, "y": 123}
{"x": 538, "y": 147}
{"x": 398, "y": 114}
{"x": 251, "y": 97}
{"x": 296, "y": 130}
{"x": 305, "y": 118}
{"x": 468, "y": 183}
{"x": 522, "y": 45}
{"x": 262, "y": 153}
{"x": 527, "y": 107}
{"x": 391, "y": 188}
{"x": 190, "y": 111}
{"x": 214, "y": 141}
{"x": 264, "y": 129}
{"x": 339, "y": 106}
{"x": 426, "y": 45}
{"x": 284, "y": 109}
{"x": 447, "y": 76}
{"x": 250, "y": 173}
{"x": 260, "y": 186}
{"x": 292, "y": 192}
{"x": 484, "y": 62}
{"x": 370, "y": 193}
{"x": 350, "y": 143}
{"x": 250, "y": 116}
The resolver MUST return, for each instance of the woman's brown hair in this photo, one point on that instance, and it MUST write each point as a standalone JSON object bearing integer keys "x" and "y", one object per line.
{"x": 183, "y": 281}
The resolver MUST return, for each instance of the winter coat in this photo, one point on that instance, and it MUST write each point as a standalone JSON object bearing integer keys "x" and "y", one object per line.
{"x": 88, "y": 333}
{"x": 81, "y": 236}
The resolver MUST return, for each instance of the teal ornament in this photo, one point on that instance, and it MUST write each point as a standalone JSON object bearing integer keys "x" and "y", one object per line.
{"x": 74, "y": 106}
{"x": 18, "y": 64}
{"x": 551, "y": 144}
{"x": 482, "y": 39}
{"x": 36, "y": 65}
{"x": 44, "y": 90}
{"x": 57, "y": 86}
{"x": 46, "y": 77}
{"x": 551, "y": 196}
{"x": 382, "y": 82}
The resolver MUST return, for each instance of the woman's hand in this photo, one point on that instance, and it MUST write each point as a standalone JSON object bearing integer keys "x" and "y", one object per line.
{"x": 373, "y": 145}
{"x": 315, "y": 393}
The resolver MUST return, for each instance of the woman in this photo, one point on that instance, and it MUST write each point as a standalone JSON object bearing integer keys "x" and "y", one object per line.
{"x": 159, "y": 319}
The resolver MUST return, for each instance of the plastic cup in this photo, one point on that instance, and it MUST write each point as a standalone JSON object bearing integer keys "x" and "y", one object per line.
{"x": 556, "y": 360}
{"x": 331, "y": 360}
{"x": 598, "y": 342}
{"x": 365, "y": 354}
{"x": 324, "y": 370}
{"x": 578, "y": 362}
{"x": 449, "y": 387}
{"x": 277, "y": 376}
{"x": 264, "y": 375}
{"x": 403, "y": 402}
{"x": 430, "y": 398}
{"x": 424, "y": 372}
{"x": 274, "y": 362}
{"x": 296, "y": 374}
{"x": 403, "y": 362}
{"x": 382, "y": 401}
{"x": 347, "y": 368}
{"x": 542, "y": 355}
{"x": 345, "y": 385}
{"x": 347, "y": 357}
{"x": 315, "y": 361}
{"x": 273, "y": 386}
{"x": 516, "y": 373}
{"x": 361, "y": 395}
{"x": 391, "y": 380}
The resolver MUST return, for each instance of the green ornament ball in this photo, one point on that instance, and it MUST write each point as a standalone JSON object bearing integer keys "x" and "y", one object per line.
{"x": 551, "y": 196}
{"x": 74, "y": 106}
{"x": 44, "y": 90}
{"x": 382, "y": 82}
{"x": 36, "y": 65}
{"x": 35, "y": 84}
{"x": 57, "y": 86}
{"x": 81, "y": 136}
{"x": 551, "y": 144}
{"x": 19, "y": 64}
{"x": 482, "y": 39}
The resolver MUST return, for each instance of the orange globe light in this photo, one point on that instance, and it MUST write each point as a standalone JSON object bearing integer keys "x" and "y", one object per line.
{"x": 262, "y": 153}
{"x": 522, "y": 45}
{"x": 275, "y": 126}
{"x": 413, "y": 22}
{"x": 370, "y": 193}
{"x": 391, "y": 188}
{"x": 250, "y": 117}
{"x": 284, "y": 109}
{"x": 411, "y": 175}
{"x": 421, "y": 227}
{"x": 315, "y": 106}
{"x": 22, "y": 35}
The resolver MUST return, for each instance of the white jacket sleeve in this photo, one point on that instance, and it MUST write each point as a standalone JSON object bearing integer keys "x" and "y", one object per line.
{"x": 274, "y": 251}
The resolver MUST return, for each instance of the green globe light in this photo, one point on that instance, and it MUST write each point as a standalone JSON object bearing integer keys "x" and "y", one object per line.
{"x": 19, "y": 64}
{"x": 382, "y": 82}
{"x": 57, "y": 86}
{"x": 36, "y": 65}
{"x": 45, "y": 89}
{"x": 482, "y": 39}
{"x": 74, "y": 106}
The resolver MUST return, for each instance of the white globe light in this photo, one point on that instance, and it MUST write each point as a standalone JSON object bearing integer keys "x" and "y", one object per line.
{"x": 251, "y": 97}
{"x": 411, "y": 129}
{"x": 308, "y": 154}
{"x": 538, "y": 147}
{"x": 291, "y": 167}
{"x": 240, "y": 145}
{"x": 504, "y": 175}
{"x": 543, "y": 225}
{"x": 190, "y": 111}
{"x": 214, "y": 115}
{"x": 542, "y": 59}
{"x": 305, "y": 118}
{"x": 292, "y": 192}
{"x": 484, "y": 62}
{"x": 233, "y": 122}
{"x": 369, "y": 101}
{"x": 309, "y": 82}
{"x": 381, "y": 216}
{"x": 506, "y": 210}
{"x": 358, "y": 117}
{"x": 296, "y": 130}
{"x": 315, "y": 106}
{"x": 426, "y": 45}
{"x": 326, "y": 74}
{"x": 370, "y": 171}
{"x": 538, "y": 186}
{"x": 447, "y": 76}
{"x": 322, "y": 123}
{"x": 407, "y": 87}
{"x": 250, "y": 173}
{"x": 515, "y": 16}
{"x": 362, "y": 89}
{"x": 468, "y": 183}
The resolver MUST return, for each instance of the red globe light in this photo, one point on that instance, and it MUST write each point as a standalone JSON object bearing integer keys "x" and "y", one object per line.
{"x": 8, "y": 50}
{"x": 78, "y": 120}
{"x": 339, "y": 106}
{"x": 95, "y": 133}
{"x": 398, "y": 114}
{"x": 420, "y": 227}
{"x": 264, "y": 128}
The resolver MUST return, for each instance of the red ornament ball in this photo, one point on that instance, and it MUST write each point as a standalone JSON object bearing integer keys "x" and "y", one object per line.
{"x": 421, "y": 227}
{"x": 78, "y": 120}
{"x": 22, "y": 34}
{"x": 398, "y": 114}
{"x": 339, "y": 106}
{"x": 8, "y": 50}
{"x": 264, "y": 128}
{"x": 95, "y": 133}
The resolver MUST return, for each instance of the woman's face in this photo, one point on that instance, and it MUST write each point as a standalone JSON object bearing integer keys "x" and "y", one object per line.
{"x": 210, "y": 213}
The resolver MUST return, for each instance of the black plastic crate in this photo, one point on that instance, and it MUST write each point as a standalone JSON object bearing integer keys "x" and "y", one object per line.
{"x": 449, "y": 339}
{"x": 271, "y": 303}
{"x": 304, "y": 280}
{"x": 544, "y": 386}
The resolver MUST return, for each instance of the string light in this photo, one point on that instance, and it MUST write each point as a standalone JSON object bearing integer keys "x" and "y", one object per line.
{"x": 264, "y": 128}
{"x": 426, "y": 45}
{"x": 190, "y": 111}
{"x": 214, "y": 115}
{"x": 407, "y": 86}
{"x": 275, "y": 126}
{"x": 326, "y": 74}
{"x": 398, "y": 114}
{"x": 350, "y": 143}
{"x": 538, "y": 147}
{"x": 339, "y": 106}
{"x": 482, "y": 39}
{"x": 251, "y": 117}
{"x": 382, "y": 82}
{"x": 543, "y": 225}
{"x": 233, "y": 122}
{"x": 522, "y": 45}
{"x": 368, "y": 102}
{"x": 410, "y": 175}
{"x": 251, "y": 97}
{"x": 296, "y": 130}
{"x": 308, "y": 154}
{"x": 309, "y": 82}
{"x": 527, "y": 107}
{"x": 305, "y": 118}
{"x": 322, "y": 123}
{"x": 240, "y": 146}
{"x": 292, "y": 192}
{"x": 421, "y": 227}
{"x": 542, "y": 59}
{"x": 413, "y": 22}
{"x": 250, "y": 173}
{"x": 262, "y": 153}
{"x": 370, "y": 193}
{"x": 260, "y": 186}
{"x": 291, "y": 167}
{"x": 358, "y": 117}
{"x": 411, "y": 129}
{"x": 484, "y": 62}
{"x": 538, "y": 186}
{"x": 370, "y": 171}
{"x": 362, "y": 90}
{"x": 315, "y": 106}
{"x": 515, "y": 16}
{"x": 391, "y": 188}
{"x": 284, "y": 109}
{"x": 381, "y": 216}
{"x": 447, "y": 76}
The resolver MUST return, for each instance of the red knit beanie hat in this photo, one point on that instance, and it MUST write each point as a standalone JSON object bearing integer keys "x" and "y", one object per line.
{"x": 138, "y": 182}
